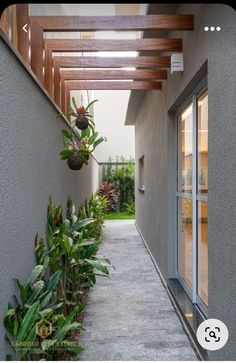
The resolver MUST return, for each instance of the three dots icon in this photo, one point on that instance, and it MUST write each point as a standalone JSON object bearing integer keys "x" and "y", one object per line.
{"x": 212, "y": 28}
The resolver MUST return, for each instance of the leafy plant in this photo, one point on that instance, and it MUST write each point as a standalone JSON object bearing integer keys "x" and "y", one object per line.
{"x": 72, "y": 250}
{"x": 121, "y": 173}
{"x": 37, "y": 301}
{"x": 95, "y": 208}
{"x": 80, "y": 144}
{"x": 130, "y": 208}
{"x": 109, "y": 191}
{"x": 67, "y": 266}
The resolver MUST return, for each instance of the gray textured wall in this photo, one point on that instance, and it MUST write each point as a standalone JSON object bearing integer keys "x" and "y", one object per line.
{"x": 155, "y": 137}
{"x": 30, "y": 171}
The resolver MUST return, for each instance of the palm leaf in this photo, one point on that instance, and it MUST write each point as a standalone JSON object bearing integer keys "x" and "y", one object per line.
{"x": 28, "y": 322}
{"x": 34, "y": 274}
{"x": 74, "y": 103}
{"x": 23, "y": 291}
{"x": 53, "y": 281}
{"x": 79, "y": 224}
{"x": 98, "y": 266}
{"x": 93, "y": 138}
{"x": 90, "y": 104}
{"x": 30, "y": 339}
{"x": 97, "y": 142}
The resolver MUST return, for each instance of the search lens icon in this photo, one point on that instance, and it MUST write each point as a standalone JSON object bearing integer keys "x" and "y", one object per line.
{"x": 212, "y": 334}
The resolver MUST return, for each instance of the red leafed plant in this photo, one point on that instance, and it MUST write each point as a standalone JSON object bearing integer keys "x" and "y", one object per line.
{"x": 57, "y": 215}
{"x": 110, "y": 192}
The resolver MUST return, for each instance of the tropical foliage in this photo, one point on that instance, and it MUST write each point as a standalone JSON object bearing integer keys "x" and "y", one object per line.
{"x": 109, "y": 191}
{"x": 121, "y": 174}
{"x": 130, "y": 208}
{"x": 55, "y": 293}
{"x": 94, "y": 208}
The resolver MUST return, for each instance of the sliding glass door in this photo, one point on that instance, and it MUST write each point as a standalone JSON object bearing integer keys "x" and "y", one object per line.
{"x": 202, "y": 195}
{"x": 185, "y": 138}
{"x": 192, "y": 201}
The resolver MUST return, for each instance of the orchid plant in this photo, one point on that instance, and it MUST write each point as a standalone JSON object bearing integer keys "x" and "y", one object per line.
{"x": 83, "y": 139}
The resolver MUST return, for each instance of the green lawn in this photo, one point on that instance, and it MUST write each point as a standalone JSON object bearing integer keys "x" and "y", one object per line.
{"x": 119, "y": 215}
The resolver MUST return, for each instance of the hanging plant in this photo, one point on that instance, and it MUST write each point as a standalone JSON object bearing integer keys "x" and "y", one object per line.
{"x": 82, "y": 121}
{"x": 80, "y": 144}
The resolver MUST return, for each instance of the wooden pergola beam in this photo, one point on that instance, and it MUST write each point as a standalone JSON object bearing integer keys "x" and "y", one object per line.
{"x": 93, "y": 45}
{"x": 113, "y": 85}
{"x": 112, "y": 62}
{"x": 59, "y": 63}
{"x": 113, "y": 74}
{"x": 5, "y": 21}
{"x": 102, "y": 75}
{"x": 68, "y": 86}
{"x": 37, "y": 46}
{"x": 128, "y": 22}
{"x": 74, "y": 45}
{"x": 41, "y": 24}
{"x": 22, "y": 18}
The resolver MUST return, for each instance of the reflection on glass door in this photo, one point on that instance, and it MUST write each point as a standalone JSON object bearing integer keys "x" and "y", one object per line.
{"x": 185, "y": 240}
{"x": 185, "y": 152}
{"x": 203, "y": 251}
{"x": 192, "y": 196}
{"x": 202, "y": 193}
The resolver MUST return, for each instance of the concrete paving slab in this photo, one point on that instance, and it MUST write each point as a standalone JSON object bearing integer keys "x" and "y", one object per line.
{"x": 129, "y": 316}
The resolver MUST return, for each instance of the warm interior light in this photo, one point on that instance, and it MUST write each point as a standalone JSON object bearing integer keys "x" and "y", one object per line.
{"x": 129, "y": 68}
{"x": 188, "y": 315}
{"x": 204, "y": 100}
{"x": 186, "y": 113}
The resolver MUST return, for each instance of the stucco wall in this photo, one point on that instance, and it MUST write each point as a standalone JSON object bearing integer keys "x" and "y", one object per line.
{"x": 212, "y": 54}
{"x": 30, "y": 171}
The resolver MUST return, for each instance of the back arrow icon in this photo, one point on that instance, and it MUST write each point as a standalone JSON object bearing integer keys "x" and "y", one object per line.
{"x": 25, "y": 27}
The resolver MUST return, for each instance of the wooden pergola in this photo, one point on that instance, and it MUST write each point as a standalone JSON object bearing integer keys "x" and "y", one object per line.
{"x": 54, "y": 70}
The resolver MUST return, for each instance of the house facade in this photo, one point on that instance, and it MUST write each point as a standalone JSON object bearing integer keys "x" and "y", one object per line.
{"x": 186, "y": 170}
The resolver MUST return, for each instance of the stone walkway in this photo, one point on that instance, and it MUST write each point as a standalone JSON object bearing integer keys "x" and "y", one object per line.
{"x": 129, "y": 316}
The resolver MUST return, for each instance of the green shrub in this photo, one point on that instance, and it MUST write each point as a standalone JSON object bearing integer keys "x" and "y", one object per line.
{"x": 72, "y": 249}
{"x": 95, "y": 208}
{"x": 38, "y": 302}
{"x": 130, "y": 208}
{"x": 54, "y": 294}
{"x": 122, "y": 176}
{"x": 109, "y": 191}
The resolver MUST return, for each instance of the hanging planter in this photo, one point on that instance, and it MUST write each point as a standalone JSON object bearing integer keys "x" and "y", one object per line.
{"x": 82, "y": 121}
{"x": 75, "y": 162}
{"x": 80, "y": 144}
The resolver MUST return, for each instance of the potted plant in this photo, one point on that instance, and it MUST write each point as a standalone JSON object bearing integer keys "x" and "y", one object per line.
{"x": 82, "y": 140}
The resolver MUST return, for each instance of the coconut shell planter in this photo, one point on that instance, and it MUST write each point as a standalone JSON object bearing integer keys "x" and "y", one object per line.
{"x": 82, "y": 140}
{"x": 82, "y": 122}
{"x": 75, "y": 162}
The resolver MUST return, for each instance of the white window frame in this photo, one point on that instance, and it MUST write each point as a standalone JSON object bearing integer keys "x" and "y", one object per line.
{"x": 141, "y": 173}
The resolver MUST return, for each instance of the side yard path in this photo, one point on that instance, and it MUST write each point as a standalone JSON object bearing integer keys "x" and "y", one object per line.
{"x": 129, "y": 316}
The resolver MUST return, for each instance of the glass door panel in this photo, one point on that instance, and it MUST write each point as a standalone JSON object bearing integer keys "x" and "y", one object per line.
{"x": 203, "y": 251}
{"x": 185, "y": 240}
{"x": 202, "y": 193}
{"x": 202, "y": 116}
{"x": 185, "y": 150}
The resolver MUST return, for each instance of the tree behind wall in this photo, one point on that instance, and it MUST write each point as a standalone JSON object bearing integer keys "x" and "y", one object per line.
{"x": 121, "y": 173}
